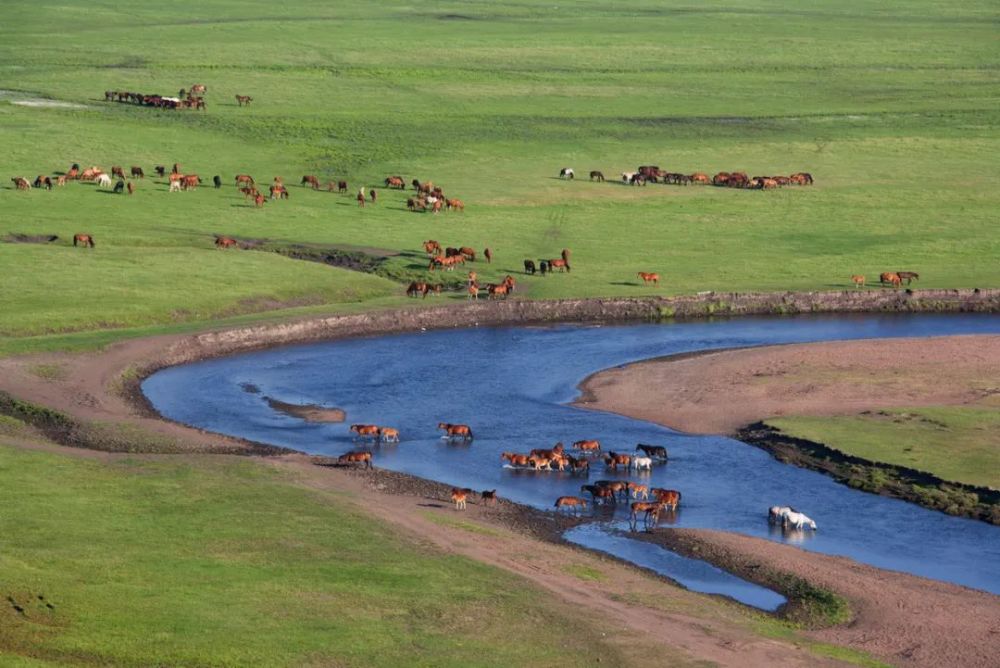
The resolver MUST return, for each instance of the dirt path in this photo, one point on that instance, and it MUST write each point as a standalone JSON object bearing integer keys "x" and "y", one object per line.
{"x": 716, "y": 393}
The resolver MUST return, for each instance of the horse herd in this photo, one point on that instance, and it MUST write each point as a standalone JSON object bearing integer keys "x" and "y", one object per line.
{"x": 893, "y": 278}
{"x": 651, "y": 173}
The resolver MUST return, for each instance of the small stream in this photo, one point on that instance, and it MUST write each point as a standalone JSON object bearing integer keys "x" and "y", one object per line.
{"x": 513, "y": 386}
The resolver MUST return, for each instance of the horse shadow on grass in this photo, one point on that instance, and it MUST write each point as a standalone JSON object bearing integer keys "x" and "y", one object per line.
{"x": 629, "y": 283}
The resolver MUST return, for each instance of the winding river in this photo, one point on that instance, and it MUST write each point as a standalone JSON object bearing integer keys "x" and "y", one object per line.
{"x": 513, "y": 386}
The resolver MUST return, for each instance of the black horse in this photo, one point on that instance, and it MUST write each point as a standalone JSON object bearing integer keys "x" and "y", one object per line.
{"x": 529, "y": 267}
{"x": 654, "y": 451}
{"x": 217, "y": 180}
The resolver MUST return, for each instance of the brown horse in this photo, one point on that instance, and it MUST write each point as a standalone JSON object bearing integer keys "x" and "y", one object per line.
{"x": 456, "y": 430}
{"x": 587, "y": 446}
{"x": 198, "y": 89}
{"x": 226, "y": 242}
{"x": 598, "y": 176}
{"x": 190, "y": 181}
{"x": 700, "y": 177}
{"x": 858, "y": 280}
{"x": 805, "y": 178}
{"x": 908, "y": 276}
{"x": 561, "y": 265}
{"x": 636, "y": 490}
{"x": 651, "y": 514}
{"x": 83, "y": 239}
{"x": 891, "y": 278}
{"x": 243, "y": 100}
{"x": 514, "y": 458}
{"x": 395, "y": 182}
{"x": 574, "y": 503}
{"x": 668, "y": 497}
{"x": 388, "y": 435}
{"x": 245, "y": 180}
{"x": 619, "y": 487}
{"x": 137, "y": 172}
{"x": 117, "y": 170}
{"x": 649, "y": 278}
{"x": 578, "y": 464}
{"x": 361, "y": 199}
{"x": 311, "y": 180}
{"x": 614, "y": 460}
{"x": 21, "y": 183}
{"x": 473, "y": 290}
{"x": 468, "y": 253}
{"x": 342, "y": 186}
{"x": 130, "y": 187}
{"x": 459, "y": 496}
{"x": 455, "y": 204}
{"x": 497, "y": 291}
{"x": 365, "y": 430}
{"x": 565, "y": 255}
{"x": 356, "y": 457}
{"x": 432, "y": 247}
{"x": 417, "y": 288}
{"x": 258, "y": 200}
{"x": 488, "y": 254}
{"x": 599, "y": 494}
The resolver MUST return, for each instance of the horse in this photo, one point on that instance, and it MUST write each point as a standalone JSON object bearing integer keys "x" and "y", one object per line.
{"x": 365, "y": 430}
{"x": 642, "y": 463}
{"x": 119, "y": 187}
{"x": 488, "y": 497}
{"x": 198, "y": 89}
{"x": 651, "y": 514}
{"x": 116, "y": 170}
{"x": 190, "y": 181}
{"x": 21, "y": 183}
{"x": 618, "y": 487}
{"x": 342, "y": 186}
{"x": 700, "y": 177}
{"x": 243, "y": 100}
{"x": 566, "y": 173}
{"x": 175, "y": 186}
{"x": 565, "y": 255}
{"x": 909, "y": 276}
{"x": 473, "y": 290}
{"x": 858, "y": 280}
{"x": 540, "y": 463}
{"x": 635, "y": 490}
{"x": 598, "y": 176}
{"x": 496, "y": 291}
{"x": 387, "y": 435}
{"x": 83, "y": 239}
{"x": 573, "y": 502}
{"x": 468, "y": 253}
{"x": 160, "y": 170}
{"x": 456, "y": 431}
{"x": 720, "y": 179}
{"x": 797, "y": 520}
{"x": 637, "y": 180}
{"x": 226, "y": 242}
{"x": 648, "y": 278}
{"x": 587, "y": 446}
{"x": 578, "y": 464}
{"x": 804, "y": 177}
{"x": 613, "y": 460}
{"x": 356, "y": 458}
{"x": 416, "y": 288}
{"x": 654, "y": 451}
{"x": 488, "y": 254}
{"x": 361, "y": 199}
{"x": 776, "y": 514}
{"x": 311, "y": 180}
{"x": 668, "y": 497}
{"x": 529, "y": 267}
{"x": 599, "y": 494}
{"x": 130, "y": 187}
{"x": 459, "y": 496}
{"x": 258, "y": 200}
{"x": 61, "y": 181}
{"x": 514, "y": 458}
{"x": 560, "y": 264}
{"x": 455, "y": 205}
{"x": 432, "y": 247}
{"x": 543, "y": 266}
{"x": 891, "y": 278}
{"x": 395, "y": 182}
{"x": 627, "y": 177}
{"x": 103, "y": 181}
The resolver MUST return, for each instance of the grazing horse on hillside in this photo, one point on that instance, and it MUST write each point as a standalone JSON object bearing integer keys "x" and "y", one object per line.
{"x": 561, "y": 265}
{"x": 21, "y": 183}
{"x": 432, "y": 247}
{"x": 226, "y": 242}
{"x": 566, "y": 173}
{"x": 130, "y": 188}
{"x": 455, "y": 205}
{"x": 654, "y": 451}
{"x": 160, "y": 170}
{"x": 451, "y": 431}
{"x": 805, "y": 178}
{"x": 120, "y": 187}
{"x": 908, "y": 276}
{"x": 243, "y": 100}
{"x": 342, "y": 186}
{"x": 137, "y": 171}
{"x": 395, "y": 182}
{"x": 574, "y": 503}
{"x": 117, "y": 170}
{"x": 364, "y": 458}
{"x": 103, "y": 181}
{"x": 417, "y": 288}
{"x": 891, "y": 278}
{"x": 858, "y": 280}
{"x": 649, "y": 278}
{"x": 488, "y": 254}
{"x": 244, "y": 180}
{"x": 83, "y": 239}
{"x": 311, "y": 180}
{"x": 529, "y": 267}
{"x": 598, "y": 176}
{"x": 258, "y": 200}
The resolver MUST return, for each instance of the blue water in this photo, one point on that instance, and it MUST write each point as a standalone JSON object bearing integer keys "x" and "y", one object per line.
{"x": 512, "y": 386}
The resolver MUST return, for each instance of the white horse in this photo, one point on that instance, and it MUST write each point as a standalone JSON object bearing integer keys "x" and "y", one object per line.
{"x": 777, "y": 514}
{"x": 175, "y": 186}
{"x": 627, "y": 176}
{"x": 103, "y": 181}
{"x": 566, "y": 173}
{"x": 797, "y": 520}
{"x": 642, "y": 463}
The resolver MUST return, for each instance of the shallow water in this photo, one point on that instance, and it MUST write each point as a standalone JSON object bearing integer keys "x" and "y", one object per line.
{"x": 512, "y": 386}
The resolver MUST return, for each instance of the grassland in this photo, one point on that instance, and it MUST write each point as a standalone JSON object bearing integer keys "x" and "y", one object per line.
{"x": 894, "y": 112}
{"x": 161, "y": 562}
{"x": 955, "y": 443}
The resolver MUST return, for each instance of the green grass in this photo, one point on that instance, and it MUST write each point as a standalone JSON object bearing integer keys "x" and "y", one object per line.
{"x": 955, "y": 443}
{"x": 894, "y": 112}
{"x": 158, "y": 562}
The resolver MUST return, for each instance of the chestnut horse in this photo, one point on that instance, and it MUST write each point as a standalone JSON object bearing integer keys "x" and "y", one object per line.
{"x": 649, "y": 278}
{"x": 891, "y": 278}
{"x": 395, "y": 182}
{"x": 591, "y": 446}
{"x": 388, "y": 435}
{"x": 668, "y": 497}
{"x": 600, "y": 494}
{"x": 456, "y": 430}
{"x": 226, "y": 242}
{"x": 243, "y": 100}
{"x": 574, "y": 503}
{"x": 244, "y": 180}
{"x": 561, "y": 265}
{"x": 311, "y": 180}
{"x": 356, "y": 458}
{"x": 514, "y": 458}
{"x": 651, "y": 514}
{"x": 83, "y": 239}
{"x": 365, "y": 430}
{"x": 432, "y": 247}
{"x": 455, "y": 204}
{"x": 858, "y": 280}
{"x": 459, "y": 496}
{"x": 614, "y": 460}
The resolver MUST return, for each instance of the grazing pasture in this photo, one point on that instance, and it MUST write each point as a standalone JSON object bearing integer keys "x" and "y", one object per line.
{"x": 893, "y": 112}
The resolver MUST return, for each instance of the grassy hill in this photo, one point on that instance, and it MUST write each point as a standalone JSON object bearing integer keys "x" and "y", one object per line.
{"x": 893, "y": 111}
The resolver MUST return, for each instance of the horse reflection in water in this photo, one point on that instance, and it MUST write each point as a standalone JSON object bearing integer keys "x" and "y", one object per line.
{"x": 789, "y": 535}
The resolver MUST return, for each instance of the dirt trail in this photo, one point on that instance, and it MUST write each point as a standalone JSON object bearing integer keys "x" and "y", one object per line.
{"x": 716, "y": 393}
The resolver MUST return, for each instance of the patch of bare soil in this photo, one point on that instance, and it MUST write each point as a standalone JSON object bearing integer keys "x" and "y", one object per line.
{"x": 716, "y": 393}
{"x": 307, "y": 412}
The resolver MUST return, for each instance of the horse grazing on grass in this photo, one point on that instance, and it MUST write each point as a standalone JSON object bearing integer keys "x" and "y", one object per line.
{"x": 103, "y": 181}
{"x": 890, "y": 278}
{"x": 649, "y": 278}
{"x": 21, "y": 183}
{"x": 342, "y": 186}
{"x": 566, "y": 173}
{"x": 561, "y": 265}
{"x": 395, "y": 182}
{"x": 116, "y": 170}
{"x": 598, "y": 176}
{"x": 311, "y": 180}
{"x": 455, "y": 205}
{"x": 529, "y": 267}
{"x": 803, "y": 178}
{"x": 356, "y": 457}
{"x": 120, "y": 187}
{"x": 226, "y": 242}
{"x": 137, "y": 172}
{"x": 858, "y": 280}
{"x": 243, "y": 100}
{"x": 488, "y": 254}
{"x": 574, "y": 503}
{"x": 417, "y": 288}
{"x": 83, "y": 239}
{"x": 244, "y": 180}
{"x": 452, "y": 431}
{"x": 432, "y": 247}
{"x": 258, "y": 200}
{"x": 361, "y": 199}
{"x": 908, "y": 276}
